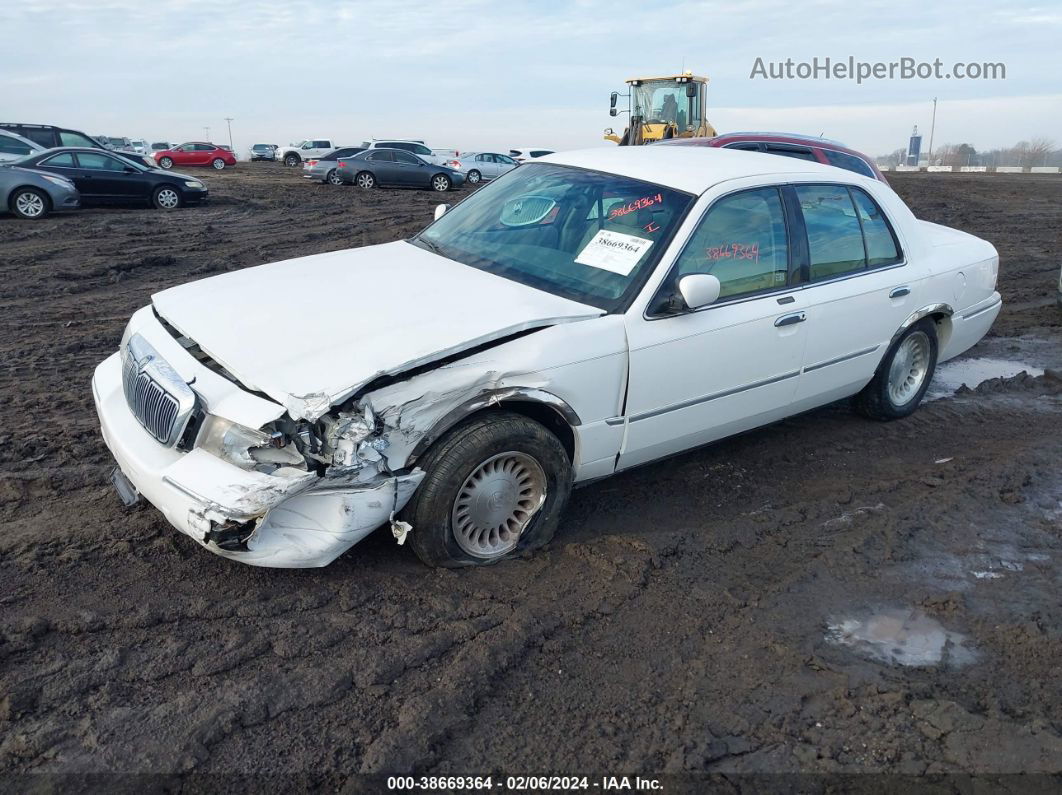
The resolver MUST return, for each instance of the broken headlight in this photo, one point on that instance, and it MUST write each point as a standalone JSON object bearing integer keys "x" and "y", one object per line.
{"x": 246, "y": 448}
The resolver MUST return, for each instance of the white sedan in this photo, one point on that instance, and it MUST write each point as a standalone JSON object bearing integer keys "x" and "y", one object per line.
{"x": 586, "y": 313}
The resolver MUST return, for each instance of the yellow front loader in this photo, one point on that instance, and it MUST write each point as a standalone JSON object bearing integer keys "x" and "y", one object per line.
{"x": 662, "y": 108}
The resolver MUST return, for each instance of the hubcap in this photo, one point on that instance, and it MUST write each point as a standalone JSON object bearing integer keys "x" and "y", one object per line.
{"x": 473, "y": 177}
{"x": 333, "y": 177}
{"x": 219, "y": 164}
{"x": 165, "y": 162}
{"x": 365, "y": 181}
{"x": 439, "y": 183}
{"x": 909, "y": 368}
{"x": 496, "y": 502}
{"x": 30, "y": 205}
{"x": 168, "y": 198}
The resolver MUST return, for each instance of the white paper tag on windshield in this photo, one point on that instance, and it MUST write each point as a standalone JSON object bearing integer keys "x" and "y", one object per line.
{"x": 613, "y": 251}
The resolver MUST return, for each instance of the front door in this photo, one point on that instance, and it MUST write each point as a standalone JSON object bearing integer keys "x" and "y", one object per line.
{"x": 697, "y": 376}
{"x": 383, "y": 165}
{"x": 410, "y": 170}
{"x": 108, "y": 178}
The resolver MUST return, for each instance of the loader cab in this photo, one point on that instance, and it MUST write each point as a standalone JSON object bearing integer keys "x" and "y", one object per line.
{"x": 662, "y": 108}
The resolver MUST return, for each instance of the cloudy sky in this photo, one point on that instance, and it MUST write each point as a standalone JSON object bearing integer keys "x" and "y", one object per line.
{"x": 479, "y": 74}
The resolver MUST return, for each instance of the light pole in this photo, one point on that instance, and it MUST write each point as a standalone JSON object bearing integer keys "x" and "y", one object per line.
{"x": 932, "y": 127}
{"x": 207, "y": 131}
{"x": 229, "y": 121}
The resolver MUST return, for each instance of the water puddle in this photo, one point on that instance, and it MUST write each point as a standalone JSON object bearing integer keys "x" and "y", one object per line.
{"x": 901, "y": 637}
{"x": 951, "y": 375}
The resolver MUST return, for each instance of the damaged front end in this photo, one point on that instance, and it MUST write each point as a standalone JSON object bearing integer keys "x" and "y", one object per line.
{"x": 287, "y": 493}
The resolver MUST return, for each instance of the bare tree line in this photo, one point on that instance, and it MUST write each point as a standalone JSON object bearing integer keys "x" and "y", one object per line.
{"x": 1034, "y": 152}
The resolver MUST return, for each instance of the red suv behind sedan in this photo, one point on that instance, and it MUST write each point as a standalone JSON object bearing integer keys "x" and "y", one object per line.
{"x": 195, "y": 154}
{"x": 804, "y": 147}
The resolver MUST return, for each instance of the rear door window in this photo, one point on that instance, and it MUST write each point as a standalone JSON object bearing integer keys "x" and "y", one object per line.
{"x": 45, "y": 138}
{"x": 881, "y": 244}
{"x": 786, "y": 150}
{"x": 64, "y": 160}
{"x": 849, "y": 162}
{"x": 835, "y": 237}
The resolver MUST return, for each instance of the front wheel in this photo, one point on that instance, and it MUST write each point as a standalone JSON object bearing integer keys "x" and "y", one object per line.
{"x": 292, "y": 160}
{"x": 165, "y": 162}
{"x": 495, "y": 486}
{"x": 166, "y": 198}
{"x": 218, "y": 163}
{"x": 440, "y": 183}
{"x": 903, "y": 375}
{"x": 365, "y": 180}
{"x": 474, "y": 177}
{"x": 29, "y": 203}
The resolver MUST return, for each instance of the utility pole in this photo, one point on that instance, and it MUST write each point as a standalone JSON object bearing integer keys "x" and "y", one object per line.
{"x": 932, "y": 128}
{"x": 207, "y": 131}
{"x": 229, "y": 121}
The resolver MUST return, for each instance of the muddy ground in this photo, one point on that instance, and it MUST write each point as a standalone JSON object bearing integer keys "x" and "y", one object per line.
{"x": 734, "y": 609}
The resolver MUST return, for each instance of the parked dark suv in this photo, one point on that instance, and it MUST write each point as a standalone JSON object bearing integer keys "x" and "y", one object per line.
{"x": 49, "y": 136}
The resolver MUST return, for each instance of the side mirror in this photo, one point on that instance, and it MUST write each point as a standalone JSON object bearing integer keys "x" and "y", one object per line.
{"x": 699, "y": 289}
{"x": 440, "y": 211}
{"x": 612, "y": 100}
{"x": 691, "y": 89}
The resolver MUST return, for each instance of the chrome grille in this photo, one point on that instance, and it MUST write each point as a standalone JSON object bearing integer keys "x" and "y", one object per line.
{"x": 155, "y": 394}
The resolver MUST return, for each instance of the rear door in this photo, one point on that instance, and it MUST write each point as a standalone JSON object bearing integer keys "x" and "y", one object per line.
{"x": 860, "y": 288}
{"x": 383, "y": 166}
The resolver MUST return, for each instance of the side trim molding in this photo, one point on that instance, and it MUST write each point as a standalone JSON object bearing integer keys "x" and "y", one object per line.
{"x": 726, "y": 393}
{"x": 840, "y": 359}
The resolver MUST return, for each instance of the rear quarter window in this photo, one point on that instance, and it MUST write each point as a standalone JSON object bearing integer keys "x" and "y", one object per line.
{"x": 849, "y": 163}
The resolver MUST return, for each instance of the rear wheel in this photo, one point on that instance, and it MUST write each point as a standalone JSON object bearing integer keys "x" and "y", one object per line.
{"x": 166, "y": 162}
{"x": 218, "y": 163}
{"x": 29, "y": 203}
{"x": 903, "y": 375}
{"x": 333, "y": 178}
{"x": 166, "y": 197}
{"x": 495, "y": 486}
{"x": 365, "y": 180}
{"x": 291, "y": 160}
{"x": 440, "y": 183}
{"x": 474, "y": 177}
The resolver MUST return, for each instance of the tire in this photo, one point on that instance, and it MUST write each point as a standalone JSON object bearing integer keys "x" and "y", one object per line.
{"x": 291, "y": 160}
{"x": 166, "y": 162}
{"x": 218, "y": 163}
{"x": 29, "y": 203}
{"x": 473, "y": 177}
{"x": 441, "y": 183}
{"x": 332, "y": 178}
{"x": 166, "y": 197}
{"x": 365, "y": 180}
{"x": 903, "y": 376}
{"x": 508, "y": 459}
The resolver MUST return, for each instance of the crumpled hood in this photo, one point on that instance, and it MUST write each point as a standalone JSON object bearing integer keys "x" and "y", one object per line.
{"x": 309, "y": 332}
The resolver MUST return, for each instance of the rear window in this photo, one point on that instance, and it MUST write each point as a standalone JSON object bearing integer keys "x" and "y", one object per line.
{"x": 541, "y": 152}
{"x": 849, "y": 163}
{"x": 11, "y": 146}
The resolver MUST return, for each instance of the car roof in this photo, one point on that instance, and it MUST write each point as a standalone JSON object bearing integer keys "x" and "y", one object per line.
{"x": 810, "y": 139}
{"x": 693, "y": 169}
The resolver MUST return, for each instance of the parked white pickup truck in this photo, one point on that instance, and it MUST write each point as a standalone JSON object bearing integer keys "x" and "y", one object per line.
{"x": 293, "y": 154}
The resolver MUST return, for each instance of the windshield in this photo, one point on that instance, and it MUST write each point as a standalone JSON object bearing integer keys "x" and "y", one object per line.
{"x": 659, "y": 101}
{"x": 583, "y": 235}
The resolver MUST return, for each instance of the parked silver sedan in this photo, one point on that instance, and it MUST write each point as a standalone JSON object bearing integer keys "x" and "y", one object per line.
{"x": 323, "y": 169}
{"x": 31, "y": 194}
{"x": 484, "y": 166}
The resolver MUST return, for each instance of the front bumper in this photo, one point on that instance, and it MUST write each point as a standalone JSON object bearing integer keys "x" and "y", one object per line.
{"x": 65, "y": 199}
{"x": 195, "y": 195}
{"x": 298, "y": 522}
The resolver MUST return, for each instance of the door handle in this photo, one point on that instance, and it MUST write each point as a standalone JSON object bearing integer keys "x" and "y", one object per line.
{"x": 900, "y": 292}
{"x": 789, "y": 320}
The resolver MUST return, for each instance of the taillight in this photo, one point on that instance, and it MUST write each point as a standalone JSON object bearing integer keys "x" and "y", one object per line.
{"x": 453, "y": 163}
{"x": 311, "y": 162}
{"x": 342, "y": 164}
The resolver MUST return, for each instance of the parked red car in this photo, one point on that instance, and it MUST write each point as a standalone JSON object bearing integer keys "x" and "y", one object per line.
{"x": 195, "y": 154}
{"x": 804, "y": 147}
